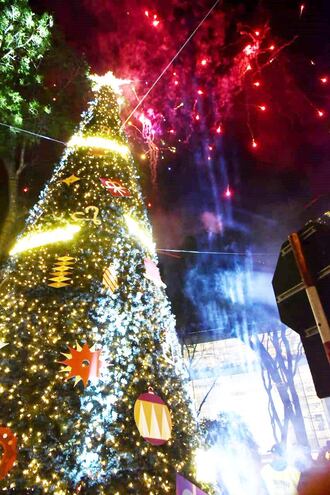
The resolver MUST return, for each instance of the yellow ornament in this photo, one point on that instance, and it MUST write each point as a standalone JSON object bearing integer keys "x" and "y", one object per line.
{"x": 152, "y": 417}
{"x": 70, "y": 180}
{"x": 110, "y": 279}
{"x": 62, "y": 272}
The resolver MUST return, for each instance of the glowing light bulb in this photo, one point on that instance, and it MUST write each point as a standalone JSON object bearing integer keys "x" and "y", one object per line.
{"x": 228, "y": 193}
{"x": 257, "y": 84}
{"x": 172, "y": 131}
{"x": 200, "y": 92}
{"x": 219, "y": 129}
{"x": 176, "y": 82}
{"x": 257, "y": 33}
{"x": 320, "y": 113}
{"x": 262, "y": 107}
{"x": 324, "y": 80}
{"x": 146, "y": 13}
{"x": 143, "y": 156}
{"x": 248, "y": 67}
{"x": 25, "y": 189}
{"x": 272, "y": 47}
{"x": 203, "y": 62}
{"x": 197, "y": 117}
{"x": 210, "y": 148}
{"x": 149, "y": 205}
{"x": 302, "y": 8}
{"x": 155, "y": 23}
{"x": 254, "y": 143}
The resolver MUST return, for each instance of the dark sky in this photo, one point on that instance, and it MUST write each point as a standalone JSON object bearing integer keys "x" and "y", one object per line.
{"x": 287, "y": 179}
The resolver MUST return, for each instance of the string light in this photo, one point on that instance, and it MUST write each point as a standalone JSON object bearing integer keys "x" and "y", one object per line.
{"x": 98, "y": 143}
{"x": 42, "y": 321}
{"x": 324, "y": 80}
{"x": 254, "y": 143}
{"x": 262, "y": 107}
{"x": 139, "y": 232}
{"x": 37, "y": 239}
{"x": 320, "y": 113}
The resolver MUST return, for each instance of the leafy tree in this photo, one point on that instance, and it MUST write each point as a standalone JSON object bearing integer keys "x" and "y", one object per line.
{"x": 40, "y": 78}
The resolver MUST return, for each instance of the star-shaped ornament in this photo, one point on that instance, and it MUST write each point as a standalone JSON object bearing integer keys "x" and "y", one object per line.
{"x": 108, "y": 79}
{"x": 70, "y": 180}
{"x": 83, "y": 363}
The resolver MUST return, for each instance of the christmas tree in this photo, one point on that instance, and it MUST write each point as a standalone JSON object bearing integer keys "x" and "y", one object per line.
{"x": 86, "y": 328}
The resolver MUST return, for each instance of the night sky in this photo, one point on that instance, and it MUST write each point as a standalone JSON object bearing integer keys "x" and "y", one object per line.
{"x": 275, "y": 187}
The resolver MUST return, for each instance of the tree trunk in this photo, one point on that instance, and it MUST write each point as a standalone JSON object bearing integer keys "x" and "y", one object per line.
{"x": 8, "y": 225}
{"x": 14, "y": 169}
{"x": 298, "y": 419}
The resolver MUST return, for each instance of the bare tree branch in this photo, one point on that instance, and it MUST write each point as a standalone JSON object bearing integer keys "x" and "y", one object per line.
{"x": 206, "y": 396}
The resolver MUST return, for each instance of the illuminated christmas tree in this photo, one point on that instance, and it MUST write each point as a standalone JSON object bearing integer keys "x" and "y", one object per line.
{"x": 88, "y": 329}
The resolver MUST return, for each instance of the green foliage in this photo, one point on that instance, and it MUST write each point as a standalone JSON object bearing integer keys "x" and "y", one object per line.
{"x": 65, "y": 89}
{"x": 24, "y": 40}
{"x": 228, "y": 429}
{"x": 43, "y": 88}
{"x": 42, "y": 80}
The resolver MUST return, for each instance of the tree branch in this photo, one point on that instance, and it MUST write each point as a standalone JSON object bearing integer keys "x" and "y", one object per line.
{"x": 206, "y": 396}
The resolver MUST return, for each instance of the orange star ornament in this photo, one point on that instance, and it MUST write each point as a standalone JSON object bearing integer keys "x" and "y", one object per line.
{"x": 83, "y": 363}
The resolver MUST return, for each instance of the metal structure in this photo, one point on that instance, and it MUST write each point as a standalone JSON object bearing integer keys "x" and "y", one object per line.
{"x": 301, "y": 284}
